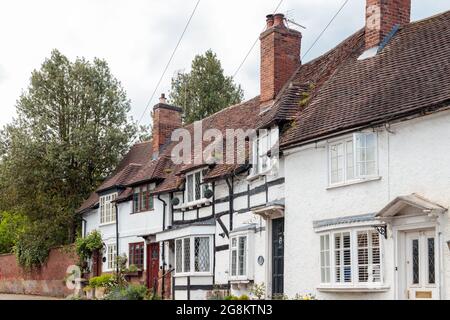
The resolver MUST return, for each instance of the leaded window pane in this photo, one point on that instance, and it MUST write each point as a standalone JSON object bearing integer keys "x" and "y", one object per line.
{"x": 201, "y": 254}
{"x": 242, "y": 255}
{"x": 187, "y": 255}
{"x": 431, "y": 258}
{"x": 415, "y": 260}
{"x": 179, "y": 256}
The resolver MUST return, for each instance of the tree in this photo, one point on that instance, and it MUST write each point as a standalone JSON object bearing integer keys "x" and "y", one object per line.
{"x": 70, "y": 132}
{"x": 205, "y": 90}
{"x": 12, "y": 225}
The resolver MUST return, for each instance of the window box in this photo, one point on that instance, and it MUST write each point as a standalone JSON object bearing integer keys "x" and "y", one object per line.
{"x": 193, "y": 256}
{"x": 353, "y": 160}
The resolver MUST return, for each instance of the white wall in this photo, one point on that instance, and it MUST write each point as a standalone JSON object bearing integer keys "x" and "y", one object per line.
{"x": 413, "y": 159}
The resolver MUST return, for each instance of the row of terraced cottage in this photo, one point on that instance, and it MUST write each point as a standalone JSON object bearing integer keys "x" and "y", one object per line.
{"x": 353, "y": 206}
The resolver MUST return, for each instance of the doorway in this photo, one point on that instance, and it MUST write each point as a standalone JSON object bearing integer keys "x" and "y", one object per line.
{"x": 152, "y": 265}
{"x": 421, "y": 264}
{"x": 277, "y": 257}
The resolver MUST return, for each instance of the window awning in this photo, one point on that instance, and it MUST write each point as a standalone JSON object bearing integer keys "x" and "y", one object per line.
{"x": 396, "y": 206}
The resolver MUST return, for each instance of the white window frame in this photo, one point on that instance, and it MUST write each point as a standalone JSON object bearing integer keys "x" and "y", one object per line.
{"x": 107, "y": 209}
{"x": 266, "y": 140}
{"x": 203, "y": 185}
{"x": 248, "y": 256}
{"x": 354, "y": 283}
{"x": 356, "y": 177}
{"x": 111, "y": 256}
{"x": 192, "y": 271}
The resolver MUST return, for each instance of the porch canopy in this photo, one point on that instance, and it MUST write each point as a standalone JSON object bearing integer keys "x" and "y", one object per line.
{"x": 421, "y": 205}
{"x": 206, "y": 227}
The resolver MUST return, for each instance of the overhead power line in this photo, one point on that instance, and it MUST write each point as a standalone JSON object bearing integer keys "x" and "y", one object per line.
{"x": 170, "y": 60}
{"x": 254, "y": 44}
{"x": 326, "y": 28}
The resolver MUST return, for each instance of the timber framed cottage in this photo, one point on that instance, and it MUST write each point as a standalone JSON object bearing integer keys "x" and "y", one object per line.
{"x": 353, "y": 206}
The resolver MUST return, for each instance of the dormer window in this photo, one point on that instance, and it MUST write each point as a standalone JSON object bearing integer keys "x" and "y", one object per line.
{"x": 107, "y": 209}
{"x": 195, "y": 188}
{"x": 142, "y": 199}
{"x": 262, "y": 146}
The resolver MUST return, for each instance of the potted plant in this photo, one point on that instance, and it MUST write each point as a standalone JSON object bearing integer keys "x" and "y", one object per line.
{"x": 101, "y": 284}
{"x": 133, "y": 271}
{"x": 89, "y": 291}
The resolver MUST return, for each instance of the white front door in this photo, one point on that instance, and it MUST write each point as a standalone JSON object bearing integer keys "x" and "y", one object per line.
{"x": 421, "y": 265}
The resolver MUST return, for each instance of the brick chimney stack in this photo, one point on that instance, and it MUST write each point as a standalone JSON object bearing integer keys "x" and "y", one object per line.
{"x": 280, "y": 57}
{"x": 166, "y": 118}
{"x": 382, "y": 16}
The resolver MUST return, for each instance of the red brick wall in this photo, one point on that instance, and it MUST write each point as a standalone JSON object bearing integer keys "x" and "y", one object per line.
{"x": 165, "y": 120}
{"x": 382, "y": 16}
{"x": 280, "y": 57}
{"x": 48, "y": 280}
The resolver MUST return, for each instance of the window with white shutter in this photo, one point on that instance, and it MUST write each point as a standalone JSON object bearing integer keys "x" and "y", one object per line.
{"x": 351, "y": 257}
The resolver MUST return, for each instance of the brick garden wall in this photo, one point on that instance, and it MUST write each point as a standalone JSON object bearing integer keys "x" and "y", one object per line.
{"x": 47, "y": 281}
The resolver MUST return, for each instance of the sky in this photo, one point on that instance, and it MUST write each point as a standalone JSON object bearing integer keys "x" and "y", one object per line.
{"x": 137, "y": 37}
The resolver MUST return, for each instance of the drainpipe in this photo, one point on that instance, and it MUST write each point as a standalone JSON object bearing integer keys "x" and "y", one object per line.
{"x": 163, "y": 253}
{"x": 231, "y": 199}
{"x": 117, "y": 236}
{"x": 84, "y": 226}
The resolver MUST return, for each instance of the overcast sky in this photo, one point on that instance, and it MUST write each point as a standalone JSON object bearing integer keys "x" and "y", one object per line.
{"x": 137, "y": 37}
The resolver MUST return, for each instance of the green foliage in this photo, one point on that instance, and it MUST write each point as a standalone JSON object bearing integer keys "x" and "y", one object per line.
{"x": 103, "y": 281}
{"x": 85, "y": 247}
{"x": 258, "y": 290}
{"x": 244, "y": 297}
{"x": 205, "y": 90}
{"x": 132, "y": 268}
{"x": 231, "y": 297}
{"x": 12, "y": 225}
{"x": 70, "y": 132}
{"x": 131, "y": 292}
{"x": 33, "y": 245}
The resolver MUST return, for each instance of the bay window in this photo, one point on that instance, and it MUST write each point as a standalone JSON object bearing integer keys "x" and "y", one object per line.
{"x": 354, "y": 158}
{"x": 193, "y": 255}
{"x": 107, "y": 208}
{"x": 351, "y": 257}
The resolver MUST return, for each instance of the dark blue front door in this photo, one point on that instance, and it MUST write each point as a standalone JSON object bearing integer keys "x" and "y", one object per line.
{"x": 277, "y": 256}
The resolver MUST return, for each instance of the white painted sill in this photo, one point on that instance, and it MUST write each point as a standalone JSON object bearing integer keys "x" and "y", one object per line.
{"x": 351, "y": 183}
{"x": 257, "y": 176}
{"x": 193, "y": 274}
{"x": 355, "y": 288}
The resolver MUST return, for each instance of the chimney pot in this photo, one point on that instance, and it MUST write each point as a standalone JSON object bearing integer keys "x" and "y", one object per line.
{"x": 269, "y": 20}
{"x": 280, "y": 57}
{"x": 279, "y": 20}
{"x": 163, "y": 99}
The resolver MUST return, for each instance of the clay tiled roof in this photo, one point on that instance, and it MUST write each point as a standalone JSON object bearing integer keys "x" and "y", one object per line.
{"x": 410, "y": 75}
{"x": 242, "y": 116}
{"x": 130, "y": 165}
